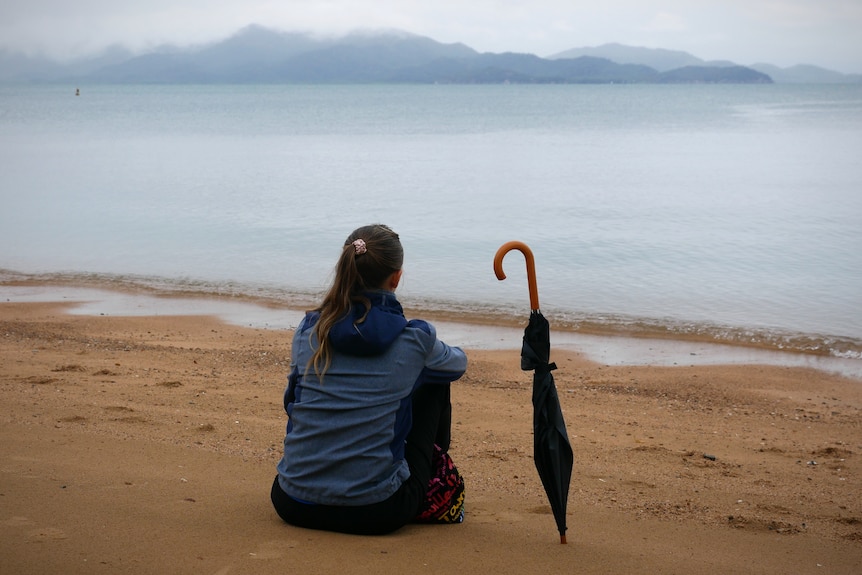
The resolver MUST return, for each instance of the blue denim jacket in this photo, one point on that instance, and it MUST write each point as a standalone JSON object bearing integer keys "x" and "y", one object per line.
{"x": 345, "y": 436}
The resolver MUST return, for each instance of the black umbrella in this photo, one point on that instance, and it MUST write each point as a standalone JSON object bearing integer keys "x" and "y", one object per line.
{"x": 551, "y": 449}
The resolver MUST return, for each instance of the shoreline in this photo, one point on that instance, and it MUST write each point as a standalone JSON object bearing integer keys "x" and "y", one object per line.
{"x": 645, "y": 349}
{"x": 762, "y": 337}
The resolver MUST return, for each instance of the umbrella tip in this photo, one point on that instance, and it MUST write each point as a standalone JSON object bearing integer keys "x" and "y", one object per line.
{"x": 563, "y": 539}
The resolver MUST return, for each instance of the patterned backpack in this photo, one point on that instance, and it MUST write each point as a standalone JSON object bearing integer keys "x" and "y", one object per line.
{"x": 444, "y": 502}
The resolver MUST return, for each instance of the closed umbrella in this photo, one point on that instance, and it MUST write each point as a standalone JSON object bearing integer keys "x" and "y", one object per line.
{"x": 552, "y": 451}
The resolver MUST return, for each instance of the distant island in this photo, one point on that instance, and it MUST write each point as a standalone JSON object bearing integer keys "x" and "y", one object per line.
{"x": 258, "y": 55}
{"x": 666, "y": 60}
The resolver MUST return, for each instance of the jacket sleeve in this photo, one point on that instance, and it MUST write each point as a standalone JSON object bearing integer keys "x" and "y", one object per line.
{"x": 444, "y": 363}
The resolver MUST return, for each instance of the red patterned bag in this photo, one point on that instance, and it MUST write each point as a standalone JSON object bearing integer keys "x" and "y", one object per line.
{"x": 444, "y": 502}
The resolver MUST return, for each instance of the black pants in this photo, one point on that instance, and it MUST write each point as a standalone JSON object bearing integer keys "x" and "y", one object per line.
{"x": 432, "y": 420}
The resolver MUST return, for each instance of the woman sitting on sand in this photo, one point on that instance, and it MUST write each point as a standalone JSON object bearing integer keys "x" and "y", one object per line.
{"x": 368, "y": 405}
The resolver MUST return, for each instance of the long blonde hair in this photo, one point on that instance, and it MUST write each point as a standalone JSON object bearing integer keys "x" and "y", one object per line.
{"x": 362, "y": 266}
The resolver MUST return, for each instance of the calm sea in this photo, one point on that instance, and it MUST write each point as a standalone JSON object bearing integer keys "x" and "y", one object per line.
{"x": 731, "y": 213}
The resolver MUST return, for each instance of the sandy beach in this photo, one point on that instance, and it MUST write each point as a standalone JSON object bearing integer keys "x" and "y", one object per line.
{"x": 148, "y": 445}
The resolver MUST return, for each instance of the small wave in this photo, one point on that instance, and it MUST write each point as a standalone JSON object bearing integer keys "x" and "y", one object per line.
{"x": 167, "y": 287}
{"x": 649, "y": 328}
{"x": 761, "y": 338}
{"x": 491, "y": 314}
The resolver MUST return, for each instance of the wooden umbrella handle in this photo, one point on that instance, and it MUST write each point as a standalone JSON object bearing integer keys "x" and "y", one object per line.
{"x": 531, "y": 268}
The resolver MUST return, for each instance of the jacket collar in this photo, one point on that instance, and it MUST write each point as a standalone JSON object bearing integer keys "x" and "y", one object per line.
{"x": 382, "y": 326}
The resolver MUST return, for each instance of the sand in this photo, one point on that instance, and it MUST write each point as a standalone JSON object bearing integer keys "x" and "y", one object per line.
{"x": 148, "y": 445}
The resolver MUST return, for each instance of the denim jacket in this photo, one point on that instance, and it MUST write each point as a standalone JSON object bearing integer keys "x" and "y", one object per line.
{"x": 345, "y": 436}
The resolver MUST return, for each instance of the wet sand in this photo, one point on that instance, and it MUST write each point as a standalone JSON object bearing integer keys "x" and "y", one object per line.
{"x": 148, "y": 444}
{"x": 608, "y": 349}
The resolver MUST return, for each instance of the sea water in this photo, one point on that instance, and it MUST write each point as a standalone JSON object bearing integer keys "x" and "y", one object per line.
{"x": 728, "y": 213}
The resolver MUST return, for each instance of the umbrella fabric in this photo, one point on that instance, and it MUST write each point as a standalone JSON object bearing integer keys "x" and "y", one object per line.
{"x": 552, "y": 451}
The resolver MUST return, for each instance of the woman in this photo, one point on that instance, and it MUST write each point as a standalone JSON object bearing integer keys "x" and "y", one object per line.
{"x": 368, "y": 405}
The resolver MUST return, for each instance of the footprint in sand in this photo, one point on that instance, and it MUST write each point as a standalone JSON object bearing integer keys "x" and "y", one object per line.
{"x": 18, "y": 522}
{"x": 494, "y": 516}
{"x": 34, "y": 534}
{"x": 46, "y": 534}
{"x": 273, "y": 549}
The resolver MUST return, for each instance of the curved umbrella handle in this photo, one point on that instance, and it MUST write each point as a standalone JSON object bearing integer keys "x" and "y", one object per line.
{"x": 531, "y": 268}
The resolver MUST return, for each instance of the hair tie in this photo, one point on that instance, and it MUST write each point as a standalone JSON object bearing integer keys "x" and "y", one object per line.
{"x": 359, "y": 247}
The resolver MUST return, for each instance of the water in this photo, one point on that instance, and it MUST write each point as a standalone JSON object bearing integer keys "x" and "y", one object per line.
{"x": 724, "y": 213}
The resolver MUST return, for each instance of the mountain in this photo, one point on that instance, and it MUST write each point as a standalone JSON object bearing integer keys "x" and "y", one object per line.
{"x": 527, "y": 69}
{"x": 366, "y": 57}
{"x": 15, "y": 67}
{"x": 806, "y": 74}
{"x": 259, "y": 55}
{"x": 670, "y": 60}
{"x": 714, "y": 75}
{"x": 658, "y": 58}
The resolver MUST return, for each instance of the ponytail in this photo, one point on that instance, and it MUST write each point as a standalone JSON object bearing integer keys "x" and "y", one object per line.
{"x": 369, "y": 256}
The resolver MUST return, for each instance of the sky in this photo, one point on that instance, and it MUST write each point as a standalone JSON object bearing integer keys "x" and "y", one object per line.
{"x": 826, "y": 33}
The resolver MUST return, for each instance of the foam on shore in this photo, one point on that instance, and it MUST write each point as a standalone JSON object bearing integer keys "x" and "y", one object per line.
{"x": 457, "y": 329}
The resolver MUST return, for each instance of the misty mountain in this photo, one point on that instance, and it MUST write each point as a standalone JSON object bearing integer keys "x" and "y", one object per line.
{"x": 806, "y": 74}
{"x": 669, "y": 60}
{"x": 16, "y": 67}
{"x": 714, "y": 75}
{"x": 259, "y": 55}
{"x": 366, "y": 58}
{"x": 657, "y": 58}
{"x": 525, "y": 68}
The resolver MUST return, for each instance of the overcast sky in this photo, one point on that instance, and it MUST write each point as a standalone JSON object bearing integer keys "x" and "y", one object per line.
{"x": 827, "y": 33}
